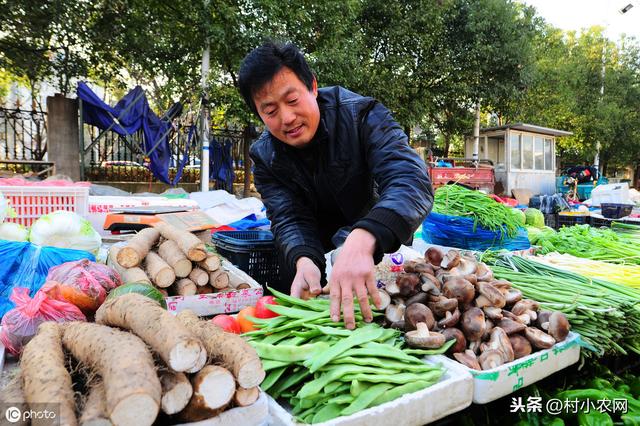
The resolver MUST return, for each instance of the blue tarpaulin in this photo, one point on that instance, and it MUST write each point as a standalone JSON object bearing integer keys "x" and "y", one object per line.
{"x": 131, "y": 114}
{"x": 221, "y": 164}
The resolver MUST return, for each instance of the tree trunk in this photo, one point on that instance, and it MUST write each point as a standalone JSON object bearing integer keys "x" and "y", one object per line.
{"x": 407, "y": 131}
{"x": 447, "y": 143}
{"x": 246, "y": 161}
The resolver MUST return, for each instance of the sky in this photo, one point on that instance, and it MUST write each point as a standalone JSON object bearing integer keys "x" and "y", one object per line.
{"x": 578, "y": 14}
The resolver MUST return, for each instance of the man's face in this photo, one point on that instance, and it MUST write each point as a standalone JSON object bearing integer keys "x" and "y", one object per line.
{"x": 288, "y": 109}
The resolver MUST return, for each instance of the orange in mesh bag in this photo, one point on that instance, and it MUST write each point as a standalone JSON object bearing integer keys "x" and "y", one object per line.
{"x": 83, "y": 283}
{"x": 20, "y": 324}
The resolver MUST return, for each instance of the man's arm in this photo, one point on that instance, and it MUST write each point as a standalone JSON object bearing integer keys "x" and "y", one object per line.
{"x": 294, "y": 227}
{"x": 404, "y": 187}
{"x": 406, "y": 197}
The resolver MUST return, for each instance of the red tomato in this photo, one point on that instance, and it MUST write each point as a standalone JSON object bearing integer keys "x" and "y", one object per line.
{"x": 261, "y": 309}
{"x": 227, "y": 323}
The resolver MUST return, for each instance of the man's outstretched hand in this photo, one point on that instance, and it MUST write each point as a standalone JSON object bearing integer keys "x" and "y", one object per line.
{"x": 306, "y": 283}
{"x": 353, "y": 272}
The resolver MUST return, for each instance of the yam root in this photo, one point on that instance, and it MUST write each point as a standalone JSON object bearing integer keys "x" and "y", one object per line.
{"x": 213, "y": 389}
{"x": 204, "y": 236}
{"x": 211, "y": 263}
{"x": 171, "y": 253}
{"x": 242, "y": 286}
{"x": 199, "y": 276}
{"x": 137, "y": 248}
{"x": 178, "y": 347}
{"x": 231, "y": 350}
{"x": 190, "y": 245}
{"x": 245, "y": 397}
{"x": 131, "y": 386}
{"x": 219, "y": 279}
{"x": 46, "y": 381}
{"x": 94, "y": 412}
{"x": 128, "y": 275}
{"x": 237, "y": 282}
{"x": 205, "y": 289}
{"x": 176, "y": 392}
{"x": 13, "y": 395}
{"x": 186, "y": 287}
{"x": 159, "y": 271}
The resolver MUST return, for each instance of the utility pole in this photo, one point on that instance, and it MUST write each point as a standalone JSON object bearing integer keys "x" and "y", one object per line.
{"x": 476, "y": 135}
{"x": 204, "y": 118}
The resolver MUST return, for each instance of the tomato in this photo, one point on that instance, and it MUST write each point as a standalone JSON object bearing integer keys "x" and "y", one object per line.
{"x": 227, "y": 323}
{"x": 245, "y": 323}
{"x": 261, "y": 307}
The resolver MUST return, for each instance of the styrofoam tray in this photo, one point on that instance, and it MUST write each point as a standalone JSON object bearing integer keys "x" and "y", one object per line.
{"x": 451, "y": 394}
{"x": 256, "y": 414}
{"x": 489, "y": 385}
{"x": 219, "y": 303}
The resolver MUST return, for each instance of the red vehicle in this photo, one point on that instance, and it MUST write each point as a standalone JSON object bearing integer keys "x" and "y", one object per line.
{"x": 462, "y": 170}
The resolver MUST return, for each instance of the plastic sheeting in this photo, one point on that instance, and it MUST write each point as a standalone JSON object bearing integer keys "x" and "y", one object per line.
{"x": 457, "y": 231}
{"x": 27, "y": 265}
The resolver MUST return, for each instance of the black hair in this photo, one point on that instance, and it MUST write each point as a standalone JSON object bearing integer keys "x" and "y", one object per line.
{"x": 264, "y": 62}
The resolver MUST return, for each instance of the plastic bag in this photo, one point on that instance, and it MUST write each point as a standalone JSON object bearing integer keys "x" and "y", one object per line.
{"x": 83, "y": 283}
{"x": 457, "y": 231}
{"x": 20, "y": 324}
{"x": 26, "y": 265}
{"x": 65, "y": 229}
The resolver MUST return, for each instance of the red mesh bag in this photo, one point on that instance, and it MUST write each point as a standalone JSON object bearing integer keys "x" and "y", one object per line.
{"x": 83, "y": 283}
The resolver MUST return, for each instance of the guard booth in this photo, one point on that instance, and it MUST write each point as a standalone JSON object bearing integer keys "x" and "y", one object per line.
{"x": 524, "y": 156}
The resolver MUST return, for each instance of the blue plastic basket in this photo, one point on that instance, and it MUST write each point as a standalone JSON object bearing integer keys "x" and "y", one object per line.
{"x": 254, "y": 252}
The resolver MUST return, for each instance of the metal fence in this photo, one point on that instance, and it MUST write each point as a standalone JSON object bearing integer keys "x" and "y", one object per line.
{"x": 23, "y": 141}
{"x": 108, "y": 156}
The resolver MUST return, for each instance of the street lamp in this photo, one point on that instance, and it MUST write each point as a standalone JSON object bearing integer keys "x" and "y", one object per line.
{"x": 626, "y": 8}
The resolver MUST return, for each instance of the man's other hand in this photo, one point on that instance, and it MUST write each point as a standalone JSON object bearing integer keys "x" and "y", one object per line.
{"x": 353, "y": 272}
{"x": 306, "y": 283}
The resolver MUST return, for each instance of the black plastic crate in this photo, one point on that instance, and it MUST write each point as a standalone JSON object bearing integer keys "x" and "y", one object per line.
{"x": 570, "y": 220}
{"x": 616, "y": 211}
{"x": 254, "y": 252}
{"x": 551, "y": 220}
{"x": 598, "y": 222}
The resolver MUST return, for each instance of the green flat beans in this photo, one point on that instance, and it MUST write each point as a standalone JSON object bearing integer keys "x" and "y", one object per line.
{"x": 358, "y": 337}
{"x": 366, "y": 398}
{"x": 271, "y": 378}
{"x": 290, "y": 353}
{"x": 401, "y": 378}
{"x": 398, "y": 391}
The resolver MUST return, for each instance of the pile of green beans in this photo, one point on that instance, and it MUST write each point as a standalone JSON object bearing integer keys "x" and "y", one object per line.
{"x": 456, "y": 200}
{"x": 606, "y": 315}
{"x": 325, "y": 371}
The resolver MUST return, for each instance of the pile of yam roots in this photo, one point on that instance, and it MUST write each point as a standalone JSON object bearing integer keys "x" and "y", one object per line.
{"x": 174, "y": 261}
{"x": 143, "y": 363}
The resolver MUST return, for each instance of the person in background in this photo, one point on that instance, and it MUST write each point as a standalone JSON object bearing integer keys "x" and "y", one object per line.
{"x": 333, "y": 169}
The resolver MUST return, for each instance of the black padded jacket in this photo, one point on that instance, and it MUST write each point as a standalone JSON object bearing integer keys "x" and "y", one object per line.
{"x": 364, "y": 166}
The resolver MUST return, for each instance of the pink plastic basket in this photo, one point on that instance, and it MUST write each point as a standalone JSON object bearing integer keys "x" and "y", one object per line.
{"x": 31, "y": 202}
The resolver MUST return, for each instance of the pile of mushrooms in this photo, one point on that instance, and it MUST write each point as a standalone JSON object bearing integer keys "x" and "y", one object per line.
{"x": 452, "y": 296}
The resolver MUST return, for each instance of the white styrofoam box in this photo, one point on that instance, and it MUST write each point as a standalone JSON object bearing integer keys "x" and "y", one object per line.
{"x": 100, "y": 206}
{"x": 223, "y": 302}
{"x": 256, "y": 414}
{"x": 451, "y": 394}
{"x": 489, "y": 385}
{"x": 612, "y": 193}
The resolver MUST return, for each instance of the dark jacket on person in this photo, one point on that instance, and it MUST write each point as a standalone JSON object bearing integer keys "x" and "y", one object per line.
{"x": 357, "y": 172}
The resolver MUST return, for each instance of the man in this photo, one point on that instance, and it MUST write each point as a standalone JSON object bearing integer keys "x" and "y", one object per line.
{"x": 334, "y": 170}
